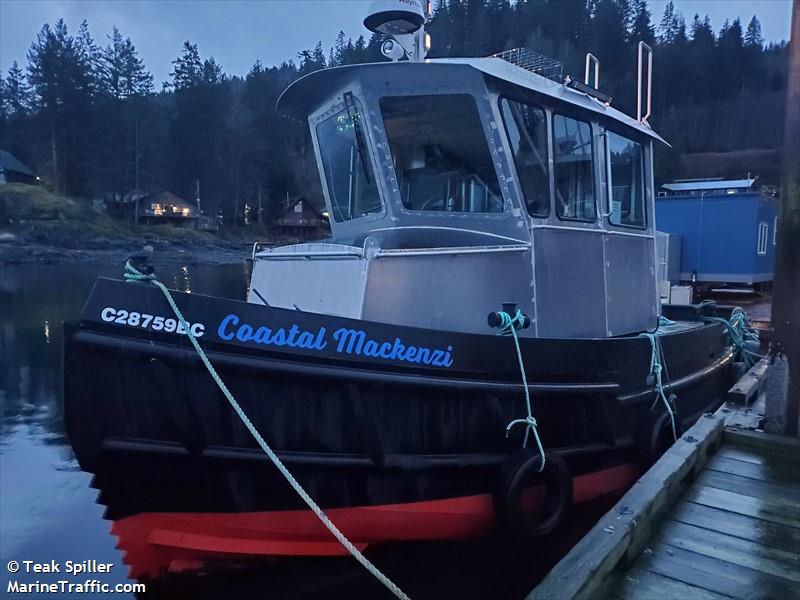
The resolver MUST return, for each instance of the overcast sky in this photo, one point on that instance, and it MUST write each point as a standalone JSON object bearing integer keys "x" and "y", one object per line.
{"x": 238, "y": 32}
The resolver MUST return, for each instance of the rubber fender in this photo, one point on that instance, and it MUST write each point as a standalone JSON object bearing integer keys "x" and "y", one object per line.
{"x": 655, "y": 436}
{"x": 521, "y": 470}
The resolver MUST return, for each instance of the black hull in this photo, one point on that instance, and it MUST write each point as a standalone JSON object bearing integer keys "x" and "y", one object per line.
{"x": 145, "y": 417}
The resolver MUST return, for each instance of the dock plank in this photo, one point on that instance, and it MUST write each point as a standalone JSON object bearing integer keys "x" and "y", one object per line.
{"x": 746, "y": 486}
{"x": 738, "y": 551}
{"x": 640, "y": 583}
{"x": 744, "y": 505}
{"x": 763, "y": 472}
{"x": 741, "y": 526}
{"x": 715, "y": 575}
{"x": 767, "y": 442}
{"x": 758, "y": 456}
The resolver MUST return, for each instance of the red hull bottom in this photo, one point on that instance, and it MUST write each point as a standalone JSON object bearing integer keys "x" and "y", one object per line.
{"x": 158, "y": 543}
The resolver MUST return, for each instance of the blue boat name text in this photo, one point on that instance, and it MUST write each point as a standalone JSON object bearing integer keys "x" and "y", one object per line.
{"x": 346, "y": 340}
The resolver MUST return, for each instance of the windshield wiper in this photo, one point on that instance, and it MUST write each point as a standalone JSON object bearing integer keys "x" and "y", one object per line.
{"x": 360, "y": 146}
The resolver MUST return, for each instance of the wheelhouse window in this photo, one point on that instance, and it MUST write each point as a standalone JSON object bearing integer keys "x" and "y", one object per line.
{"x": 627, "y": 181}
{"x": 346, "y": 163}
{"x": 440, "y": 154}
{"x": 573, "y": 169}
{"x": 526, "y": 127}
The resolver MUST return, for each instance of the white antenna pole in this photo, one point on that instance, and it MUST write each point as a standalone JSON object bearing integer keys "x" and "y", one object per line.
{"x": 592, "y": 59}
{"x": 639, "y": 117}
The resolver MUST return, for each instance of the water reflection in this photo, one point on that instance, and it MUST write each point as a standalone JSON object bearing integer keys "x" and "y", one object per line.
{"x": 47, "y": 507}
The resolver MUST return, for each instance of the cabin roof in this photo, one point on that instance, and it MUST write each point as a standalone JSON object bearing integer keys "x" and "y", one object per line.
{"x": 9, "y": 163}
{"x": 708, "y": 184}
{"x": 296, "y": 99}
{"x": 307, "y": 206}
{"x": 166, "y": 196}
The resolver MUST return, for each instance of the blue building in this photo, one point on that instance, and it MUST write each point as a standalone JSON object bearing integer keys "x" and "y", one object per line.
{"x": 727, "y": 229}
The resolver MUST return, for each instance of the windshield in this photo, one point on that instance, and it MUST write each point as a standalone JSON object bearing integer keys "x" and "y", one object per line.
{"x": 345, "y": 161}
{"x": 440, "y": 153}
{"x": 627, "y": 181}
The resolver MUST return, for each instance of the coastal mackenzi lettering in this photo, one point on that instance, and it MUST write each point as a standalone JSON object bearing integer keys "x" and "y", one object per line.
{"x": 346, "y": 340}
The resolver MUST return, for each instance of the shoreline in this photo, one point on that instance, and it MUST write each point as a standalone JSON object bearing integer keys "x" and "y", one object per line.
{"x": 21, "y": 251}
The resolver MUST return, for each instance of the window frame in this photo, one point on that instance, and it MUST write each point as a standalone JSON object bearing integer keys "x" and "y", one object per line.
{"x": 318, "y": 118}
{"x": 763, "y": 238}
{"x": 594, "y": 173}
{"x": 548, "y": 149}
{"x": 775, "y": 231}
{"x": 401, "y": 205}
{"x": 609, "y": 186}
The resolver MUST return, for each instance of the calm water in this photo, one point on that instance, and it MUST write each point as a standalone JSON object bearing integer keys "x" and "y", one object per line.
{"x": 48, "y": 510}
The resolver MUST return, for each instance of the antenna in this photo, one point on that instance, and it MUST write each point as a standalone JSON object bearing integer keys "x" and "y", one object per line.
{"x": 639, "y": 117}
{"x": 403, "y": 23}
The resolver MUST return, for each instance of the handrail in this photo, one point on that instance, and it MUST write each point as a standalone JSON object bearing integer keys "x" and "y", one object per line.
{"x": 639, "y": 117}
{"x": 592, "y": 59}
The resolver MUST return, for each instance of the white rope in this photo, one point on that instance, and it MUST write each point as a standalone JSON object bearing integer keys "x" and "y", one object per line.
{"x": 134, "y": 275}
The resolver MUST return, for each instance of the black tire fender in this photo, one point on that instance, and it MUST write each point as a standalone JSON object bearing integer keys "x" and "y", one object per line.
{"x": 655, "y": 436}
{"x": 520, "y": 470}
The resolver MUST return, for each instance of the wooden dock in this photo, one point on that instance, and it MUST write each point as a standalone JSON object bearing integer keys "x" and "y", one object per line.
{"x": 718, "y": 516}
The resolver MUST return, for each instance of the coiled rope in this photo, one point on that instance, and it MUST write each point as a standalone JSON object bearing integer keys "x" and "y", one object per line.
{"x": 656, "y": 366}
{"x": 509, "y": 326}
{"x": 132, "y": 274}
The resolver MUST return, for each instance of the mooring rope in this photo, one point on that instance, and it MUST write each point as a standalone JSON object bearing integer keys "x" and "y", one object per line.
{"x": 664, "y": 321}
{"x": 656, "y": 358}
{"x": 741, "y": 333}
{"x": 133, "y": 274}
{"x": 509, "y": 326}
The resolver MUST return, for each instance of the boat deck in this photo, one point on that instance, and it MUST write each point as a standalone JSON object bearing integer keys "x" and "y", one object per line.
{"x": 717, "y": 516}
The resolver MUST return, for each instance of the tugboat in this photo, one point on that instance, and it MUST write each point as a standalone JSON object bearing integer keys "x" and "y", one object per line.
{"x": 467, "y": 197}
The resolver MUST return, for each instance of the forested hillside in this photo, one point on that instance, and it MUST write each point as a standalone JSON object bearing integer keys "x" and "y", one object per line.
{"x": 89, "y": 118}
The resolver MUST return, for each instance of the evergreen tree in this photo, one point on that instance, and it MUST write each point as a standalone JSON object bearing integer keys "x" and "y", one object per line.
{"x": 312, "y": 60}
{"x": 16, "y": 96}
{"x": 187, "y": 68}
{"x": 124, "y": 73}
{"x": 627, "y": 12}
{"x": 88, "y": 55}
{"x": 668, "y": 29}
{"x": 753, "y": 37}
{"x": 642, "y": 28}
{"x": 337, "y": 56}
{"x": 212, "y": 72}
{"x": 61, "y": 73}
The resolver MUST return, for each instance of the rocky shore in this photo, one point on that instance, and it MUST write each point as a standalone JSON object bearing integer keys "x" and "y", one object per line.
{"x": 21, "y": 248}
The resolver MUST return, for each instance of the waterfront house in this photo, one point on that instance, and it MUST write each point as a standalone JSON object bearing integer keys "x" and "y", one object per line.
{"x": 301, "y": 219}
{"x": 12, "y": 170}
{"x": 167, "y": 207}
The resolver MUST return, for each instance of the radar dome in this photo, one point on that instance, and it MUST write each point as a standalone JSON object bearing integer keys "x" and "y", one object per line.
{"x": 394, "y": 17}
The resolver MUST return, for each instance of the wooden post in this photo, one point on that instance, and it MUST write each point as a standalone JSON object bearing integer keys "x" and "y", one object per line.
{"x": 783, "y": 390}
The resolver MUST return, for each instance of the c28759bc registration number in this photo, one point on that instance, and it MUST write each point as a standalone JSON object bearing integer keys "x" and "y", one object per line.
{"x": 145, "y": 321}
